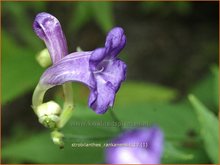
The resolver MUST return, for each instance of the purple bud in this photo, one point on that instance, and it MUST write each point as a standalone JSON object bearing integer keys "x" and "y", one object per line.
{"x": 137, "y": 146}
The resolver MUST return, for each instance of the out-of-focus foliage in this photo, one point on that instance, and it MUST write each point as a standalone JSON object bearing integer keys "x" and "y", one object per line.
{"x": 73, "y": 134}
{"x": 146, "y": 114}
{"x": 209, "y": 83}
{"x": 18, "y": 65}
{"x": 182, "y": 8}
{"x": 143, "y": 92}
{"x": 100, "y": 12}
{"x": 215, "y": 72}
{"x": 208, "y": 128}
{"x": 172, "y": 153}
{"x": 22, "y": 21}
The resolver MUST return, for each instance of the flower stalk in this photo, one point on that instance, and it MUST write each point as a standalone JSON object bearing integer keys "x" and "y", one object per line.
{"x": 68, "y": 105}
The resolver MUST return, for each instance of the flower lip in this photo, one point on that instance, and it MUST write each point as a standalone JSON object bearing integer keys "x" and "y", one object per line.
{"x": 108, "y": 70}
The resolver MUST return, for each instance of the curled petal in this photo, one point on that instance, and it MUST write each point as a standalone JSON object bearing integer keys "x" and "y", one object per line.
{"x": 74, "y": 67}
{"x": 48, "y": 28}
{"x": 144, "y": 146}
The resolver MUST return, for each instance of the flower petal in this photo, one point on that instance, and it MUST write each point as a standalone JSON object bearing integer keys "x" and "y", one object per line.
{"x": 97, "y": 56}
{"x": 115, "y": 72}
{"x": 144, "y": 146}
{"x": 155, "y": 142}
{"x": 108, "y": 71}
{"x": 109, "y": 77}
{"x": 48, "y": 28}
{"x": 74, "y": 67}
{"x": 115, "y": 42}
{"x": 103, "y": 98}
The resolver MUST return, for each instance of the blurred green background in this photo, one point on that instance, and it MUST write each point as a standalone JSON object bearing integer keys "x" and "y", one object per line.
{"x": 171, "y": 52}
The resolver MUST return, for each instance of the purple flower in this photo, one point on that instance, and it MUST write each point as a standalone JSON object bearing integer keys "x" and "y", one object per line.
{"x": 137, "y": 146}
{"x": 99, "y": 69}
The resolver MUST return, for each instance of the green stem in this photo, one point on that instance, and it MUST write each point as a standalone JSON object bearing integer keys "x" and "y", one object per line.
{"x": 38, "y": 96}
{"x": 57, "y": 138}
{"x": 67, "y": 112}
{"x": 115, "y": 118}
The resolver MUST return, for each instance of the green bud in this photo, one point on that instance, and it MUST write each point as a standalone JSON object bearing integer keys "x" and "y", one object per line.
{"x": 78, "y": 49}
{"x": 57, "y": 138}
{"x": 49, "y": 121}
{"x": 48, "y": 114}
{"x": 43, "y": 58}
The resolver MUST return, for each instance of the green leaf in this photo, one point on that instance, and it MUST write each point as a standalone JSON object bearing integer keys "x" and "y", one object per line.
{"x": 103, "y": 14}
{"x": 137, "y": 92}
{"x": 215, "y": 72}
{"x": 130, "y": 92}
{"x": 171, "y": 152}
{"x": 174, "y": 154}
{"x": 207, "y": 84}
{"x": 81, "y": 129}
{"x": 82, "y": 15}
{"x": 176, "y": 121}
{"x": 209, "y": 128}
{"x": 150, "y": 7}
{"x": 22, "y": 22}
{"x": 85, "y": 127}
{"x": 163, "y": 114}
{"x": 40, "y": 149}
{"x": 20, "y": 71}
